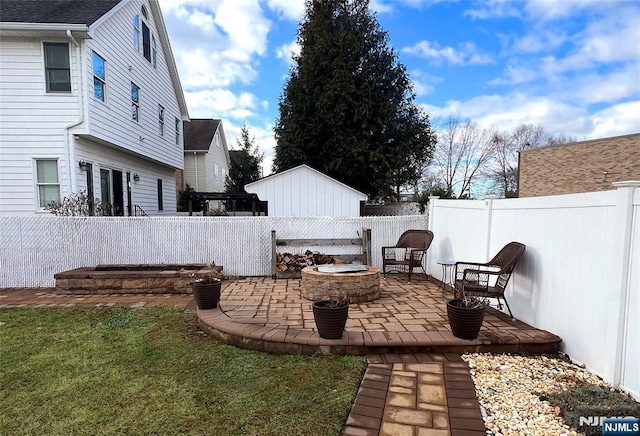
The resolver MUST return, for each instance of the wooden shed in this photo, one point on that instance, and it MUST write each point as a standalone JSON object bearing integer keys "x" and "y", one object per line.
{"x": 303, "y": 191}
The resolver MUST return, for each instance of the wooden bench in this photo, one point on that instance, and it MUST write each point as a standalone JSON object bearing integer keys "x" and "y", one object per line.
{"x": 363, "y": 241}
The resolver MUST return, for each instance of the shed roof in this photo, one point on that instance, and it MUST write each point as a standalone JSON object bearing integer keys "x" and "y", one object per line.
{"x": 303, "y": 167}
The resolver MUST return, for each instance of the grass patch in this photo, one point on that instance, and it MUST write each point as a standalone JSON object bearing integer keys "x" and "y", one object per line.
{"x": 151, "y": 371}
{"x": 590, "y": 400}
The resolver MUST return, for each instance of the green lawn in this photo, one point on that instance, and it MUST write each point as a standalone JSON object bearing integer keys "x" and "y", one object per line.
{"x": 151, "y": 371}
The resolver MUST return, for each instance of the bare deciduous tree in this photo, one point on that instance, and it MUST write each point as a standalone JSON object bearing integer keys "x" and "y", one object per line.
{"x": 502, "y": 172}
{"x": 461, "y": 154}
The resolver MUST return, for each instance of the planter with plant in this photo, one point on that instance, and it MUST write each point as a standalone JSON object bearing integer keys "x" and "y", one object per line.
{"x": 466, "y": 314}
{"x": 206, "y": 291}
{"x": 331, "y": 315}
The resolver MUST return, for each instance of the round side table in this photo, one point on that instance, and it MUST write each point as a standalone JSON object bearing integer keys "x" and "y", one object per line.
{"x": 447, "y": 274}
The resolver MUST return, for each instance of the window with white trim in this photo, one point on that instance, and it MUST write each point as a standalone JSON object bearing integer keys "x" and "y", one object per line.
{"x": 136, "y": 32}
{"x": 99, "y": 77}
{"x": 135, "y": 102}
{"x": 146, "y": 41}
{"x": 48, "y": 185}
{"x": 154, "y": 52}
{"x": 56, "y": 67}
{"x": 161, "y": 119}
{"x": 216, "y": 171}
{"x": 178, "y": 123}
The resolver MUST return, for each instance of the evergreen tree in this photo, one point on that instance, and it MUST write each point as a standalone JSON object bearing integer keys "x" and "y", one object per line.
{"x": 244, "y": 168}
{"x": 245, "y": 163}
{"x": 347, "y": 108}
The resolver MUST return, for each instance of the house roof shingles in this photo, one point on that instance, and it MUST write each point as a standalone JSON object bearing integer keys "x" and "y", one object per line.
{"x": 198, "y": 134}
{"x": 54, "y": 11}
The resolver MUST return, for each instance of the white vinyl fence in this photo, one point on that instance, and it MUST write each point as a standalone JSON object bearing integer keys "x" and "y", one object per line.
{"x": 579, "y": 277}
{"x": 34, "y": 248}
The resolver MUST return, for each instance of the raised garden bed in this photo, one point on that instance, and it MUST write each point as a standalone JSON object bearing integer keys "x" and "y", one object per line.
{"x": 134, "y": 279}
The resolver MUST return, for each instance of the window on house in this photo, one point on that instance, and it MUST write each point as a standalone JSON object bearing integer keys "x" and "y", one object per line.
{"x": 216, "y": 171}
{"x": 99, "y": 77}
{"x": 161, "y": 120}
{"x": 56, "y": 65}
{"x": 224, "y": 175}
{"x": 146, "y": 41}
{"x": 154, "y": 52}
{"x": 178, "y": 131}
{"x": 135, "y": 102}
{"x": 136, "y": 32}
{"x": 160, "y": 203}
{"x": 47, "y": 181}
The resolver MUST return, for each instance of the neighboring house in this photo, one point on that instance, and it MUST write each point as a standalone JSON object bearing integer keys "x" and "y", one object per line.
{"x": 584, "y": 166}
{"x": 90, "y": 100}
{"x": 303, "y": 191}
{"x": 206, "y": 157}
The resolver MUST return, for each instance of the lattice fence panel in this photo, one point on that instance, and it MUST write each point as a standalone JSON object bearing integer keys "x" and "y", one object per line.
{"x": 33, "y": 249}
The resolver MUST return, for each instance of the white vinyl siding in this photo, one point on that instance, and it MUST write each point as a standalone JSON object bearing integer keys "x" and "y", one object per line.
{"x": 47, "y": 182}
{"x": 24, "y": 100}
{"x": 330, "y": 197}
{"x": 106, "y": 121}
{"x": 144, "y": 191}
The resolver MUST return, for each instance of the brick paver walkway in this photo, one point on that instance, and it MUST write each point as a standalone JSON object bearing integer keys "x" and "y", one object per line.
{"x": 416, "y": 395}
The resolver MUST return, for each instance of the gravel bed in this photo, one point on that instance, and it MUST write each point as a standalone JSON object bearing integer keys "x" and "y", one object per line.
{"x": 509, "y": 389}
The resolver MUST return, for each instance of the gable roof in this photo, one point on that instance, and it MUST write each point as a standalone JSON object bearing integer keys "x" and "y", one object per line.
{"x": 198, "y": 134}
{"x": 303, "y": 167}
{"x": 54, "y": 11}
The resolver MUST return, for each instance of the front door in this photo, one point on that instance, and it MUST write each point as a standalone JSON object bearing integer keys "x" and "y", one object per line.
{"x": 118, "y": 194}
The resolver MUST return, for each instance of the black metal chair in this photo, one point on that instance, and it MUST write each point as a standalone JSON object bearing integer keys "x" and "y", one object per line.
{"x": 414, "y": 244}
{"x": 472, "y": 278}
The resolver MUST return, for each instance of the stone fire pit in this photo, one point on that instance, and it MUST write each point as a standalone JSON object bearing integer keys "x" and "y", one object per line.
{"x": 358, "y": 286}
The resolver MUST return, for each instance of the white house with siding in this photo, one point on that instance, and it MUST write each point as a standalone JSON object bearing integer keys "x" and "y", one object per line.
{"x": 90, "y": 100}
{"x": 206, "y": 156}
{"x": 303, "y": 191}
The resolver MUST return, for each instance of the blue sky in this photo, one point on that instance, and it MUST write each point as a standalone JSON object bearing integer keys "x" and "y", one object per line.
{"x": 572, "y": 66}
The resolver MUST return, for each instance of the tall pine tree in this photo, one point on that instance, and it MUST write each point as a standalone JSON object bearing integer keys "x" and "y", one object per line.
{"x": 347, "y": 108}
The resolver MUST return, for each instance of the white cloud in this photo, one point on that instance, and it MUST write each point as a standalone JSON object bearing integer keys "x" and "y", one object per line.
{"x": 216, "y": 42}
{"x": 620, "y": 119}
{"x": 287, "y": 51}
{"x": 292, "y": 10}
{"x": 493, "y": 9}
{"x": 508, "y": 111}
{"x": 467, "y": 54}
{"x": 221, "y": 103}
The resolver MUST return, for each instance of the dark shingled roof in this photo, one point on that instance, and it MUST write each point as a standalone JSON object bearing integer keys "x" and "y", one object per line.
{"x": 54, "y": 11}
{"x": 198, "y": 134}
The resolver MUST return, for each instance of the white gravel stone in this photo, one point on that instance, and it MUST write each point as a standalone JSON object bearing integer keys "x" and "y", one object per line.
{"x": 509, "y": 389}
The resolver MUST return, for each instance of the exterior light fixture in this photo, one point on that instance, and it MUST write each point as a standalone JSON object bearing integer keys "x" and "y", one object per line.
{"x": 136, "y": 178}
{"x": 83, "y": 165}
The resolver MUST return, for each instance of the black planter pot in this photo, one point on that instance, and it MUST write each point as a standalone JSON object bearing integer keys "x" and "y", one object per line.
{"x": 207, "y": 295}
{"x": 465, "y": 322}
{"x": 330, "y": 321}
